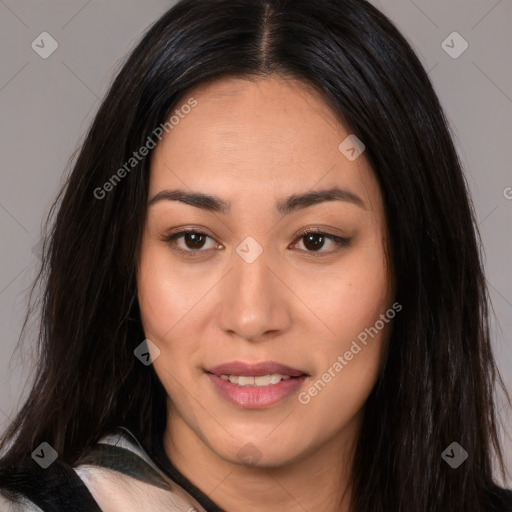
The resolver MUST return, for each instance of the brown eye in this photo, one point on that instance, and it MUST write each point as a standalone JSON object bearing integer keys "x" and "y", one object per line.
{"x": 193, "y": 242}
{"x": 314, "y": 241}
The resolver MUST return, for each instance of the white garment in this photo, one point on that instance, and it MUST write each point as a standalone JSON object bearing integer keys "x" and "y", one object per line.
{"x": 22, "y": 505}
{"x": 118, "y": 492}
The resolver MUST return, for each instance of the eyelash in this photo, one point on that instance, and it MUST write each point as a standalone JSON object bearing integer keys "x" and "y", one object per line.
{"x": 339, "y": 241}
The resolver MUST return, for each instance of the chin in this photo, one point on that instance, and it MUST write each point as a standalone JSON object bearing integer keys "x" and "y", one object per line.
{"x": 258, "y": 452}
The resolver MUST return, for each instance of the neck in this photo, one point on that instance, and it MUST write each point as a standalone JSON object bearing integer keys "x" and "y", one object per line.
{"x": 319, "y": 480}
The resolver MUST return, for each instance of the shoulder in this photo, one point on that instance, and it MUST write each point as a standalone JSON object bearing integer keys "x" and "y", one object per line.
{"x": 116, "y": 475}
{"x": 122, "y": 477}
{"x": 28, "y": 487}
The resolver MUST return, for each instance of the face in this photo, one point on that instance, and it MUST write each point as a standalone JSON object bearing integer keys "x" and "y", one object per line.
{"x": 249, "y": 288}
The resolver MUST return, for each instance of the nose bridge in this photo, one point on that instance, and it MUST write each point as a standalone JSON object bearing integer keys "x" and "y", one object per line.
{"x": 252, "y": 302}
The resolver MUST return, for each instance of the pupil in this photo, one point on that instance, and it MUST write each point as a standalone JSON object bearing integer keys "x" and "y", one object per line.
{"x": 311, "y": 238}
{"x": 194, "y": 239}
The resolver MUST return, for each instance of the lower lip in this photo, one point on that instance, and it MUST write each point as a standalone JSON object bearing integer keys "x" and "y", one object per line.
{"x": 256, "y": 397}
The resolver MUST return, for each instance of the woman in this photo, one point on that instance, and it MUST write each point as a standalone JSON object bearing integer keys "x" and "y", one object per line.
{"x": 263, "y": 288}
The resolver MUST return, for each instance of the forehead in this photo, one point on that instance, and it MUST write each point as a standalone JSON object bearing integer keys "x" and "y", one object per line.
{"x": 262, "y": 135}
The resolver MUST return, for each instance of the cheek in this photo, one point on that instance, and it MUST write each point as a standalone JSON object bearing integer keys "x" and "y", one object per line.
{"x": 348, "y": 353}
{"x": 349, "y": 297}
{"x": 165, "y": 303}
{"x": 172, "y": 304}
{"x": 164, "y": 298}
{"x": 363, "y": 296}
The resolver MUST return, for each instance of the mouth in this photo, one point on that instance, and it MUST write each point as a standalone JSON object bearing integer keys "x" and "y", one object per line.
{"x": 254, "y": 386}
{"x": 260, "y": 380}
{"x": 256, "y": 369}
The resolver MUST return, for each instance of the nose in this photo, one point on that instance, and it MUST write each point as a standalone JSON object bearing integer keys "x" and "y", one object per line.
{"x": 254, "y": 301}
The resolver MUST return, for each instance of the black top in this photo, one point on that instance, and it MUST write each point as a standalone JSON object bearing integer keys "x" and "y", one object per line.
{"x": 500, "y": 500}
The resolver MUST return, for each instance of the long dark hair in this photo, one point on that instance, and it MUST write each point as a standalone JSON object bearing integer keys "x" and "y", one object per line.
{"x": 439, "y": 378}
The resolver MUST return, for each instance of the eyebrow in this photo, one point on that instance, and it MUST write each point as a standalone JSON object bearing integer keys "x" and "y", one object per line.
{"x": 285, "y": 207}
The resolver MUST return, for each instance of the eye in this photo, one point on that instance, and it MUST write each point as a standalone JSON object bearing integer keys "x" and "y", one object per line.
{"x": 314, "y": 241}
{"x": 193, "y": 241}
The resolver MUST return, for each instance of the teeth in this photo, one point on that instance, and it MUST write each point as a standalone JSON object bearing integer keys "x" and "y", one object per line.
{"x": 265, "y": 380}
{"x": 262, "y": 380}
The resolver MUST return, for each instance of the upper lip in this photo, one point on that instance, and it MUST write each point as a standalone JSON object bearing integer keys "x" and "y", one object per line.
{"x": 255, "y": 370}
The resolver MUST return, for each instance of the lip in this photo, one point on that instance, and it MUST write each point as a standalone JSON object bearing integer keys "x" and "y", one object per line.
{"x": 255, "y": 370}
{"x": 256, "y": 397}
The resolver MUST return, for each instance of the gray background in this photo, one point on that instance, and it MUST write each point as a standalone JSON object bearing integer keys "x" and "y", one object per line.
{"x": 47, "y": 104}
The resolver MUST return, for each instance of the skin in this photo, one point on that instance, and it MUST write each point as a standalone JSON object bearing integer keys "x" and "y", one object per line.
{"x": 254, "y": 143}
